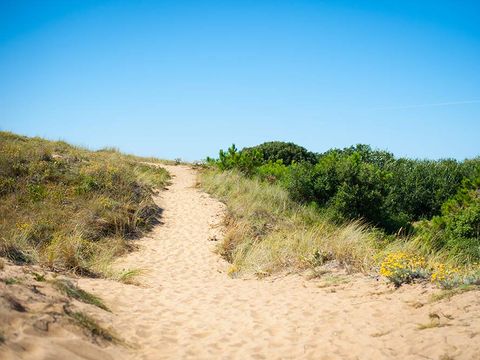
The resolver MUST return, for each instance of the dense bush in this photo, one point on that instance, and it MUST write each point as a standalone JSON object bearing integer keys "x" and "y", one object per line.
{"x": 458, "y": 227}
{"x": 286, "y": 152}
{"x": 246, "y": 162}
{"x": 368, "y": 155}
{"x": 273, "y": 171}
{"x": 357, "y": 182}
{"x": 418, "y": 188}
{"x": 349, "y": 187}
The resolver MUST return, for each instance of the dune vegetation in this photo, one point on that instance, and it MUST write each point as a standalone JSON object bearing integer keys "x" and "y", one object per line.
{"x": 292, "y": 209}
{"x": 71, "y": 209}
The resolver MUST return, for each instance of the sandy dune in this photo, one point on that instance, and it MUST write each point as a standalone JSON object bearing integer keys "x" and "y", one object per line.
{"x": 188, "y": 308}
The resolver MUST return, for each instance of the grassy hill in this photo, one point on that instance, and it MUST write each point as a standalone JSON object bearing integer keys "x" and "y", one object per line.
{"x": 69, "y": 208}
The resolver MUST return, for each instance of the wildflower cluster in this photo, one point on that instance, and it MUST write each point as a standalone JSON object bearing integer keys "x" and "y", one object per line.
{"x": 232, "y": 271}
{"x": 401, "y": 267}
{"x": 442, "y": 272}
{"x": 448, "y": 276}
{"x": 22, "y": 226}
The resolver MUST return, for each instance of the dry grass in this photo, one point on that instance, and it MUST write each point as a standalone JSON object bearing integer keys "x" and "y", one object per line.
{"x": 92, "y": 327}
{"x": 447, "y": 294}
{"x": 72, "y": 209}
{"x": 71, "y": 290}
{"x": 267, "y": 232}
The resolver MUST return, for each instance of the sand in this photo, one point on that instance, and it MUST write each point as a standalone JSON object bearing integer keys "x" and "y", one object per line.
{"x": 186, "y": 307}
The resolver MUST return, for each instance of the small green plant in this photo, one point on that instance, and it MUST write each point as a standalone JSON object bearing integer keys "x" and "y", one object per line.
{"x": 381, "y": 333}
{"x": 333, "y": 280}
{"x": 37, "y": 192}
{"x": 128, "y": 276}
{"x": 38, "y": 277}
{"x": 12, "y": 281}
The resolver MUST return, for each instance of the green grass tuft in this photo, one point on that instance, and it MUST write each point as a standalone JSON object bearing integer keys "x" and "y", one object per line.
{"x": 73, "y": 291}
{"x": 12, "y": 281}
{"x": 128, "y": 276}
{"x": 83, "y": 320}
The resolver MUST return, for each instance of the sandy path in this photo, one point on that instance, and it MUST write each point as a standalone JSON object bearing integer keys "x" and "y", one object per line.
{"x": 188, "y": 308}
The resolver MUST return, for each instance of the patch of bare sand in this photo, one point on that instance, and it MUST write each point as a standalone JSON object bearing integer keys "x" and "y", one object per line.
{"x": 34, "y": 320}
{"x": 187, "y": 308}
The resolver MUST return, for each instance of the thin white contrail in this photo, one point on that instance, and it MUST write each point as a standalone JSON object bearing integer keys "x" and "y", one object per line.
{"x": 427, "y": 105}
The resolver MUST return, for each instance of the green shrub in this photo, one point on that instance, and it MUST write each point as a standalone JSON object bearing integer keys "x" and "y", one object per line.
{"x": 357, "y": 182}
{"x": 286, "y": 152}
{"x": 273, "y": 171}
{"x": 246, "y": 162}
{"x": 361, "y": 192}
{"x": 418, "y": 188}
{"x": 344, "y": 184}
{"x": 458, "y": 227}
{"x": 368, "y": 155}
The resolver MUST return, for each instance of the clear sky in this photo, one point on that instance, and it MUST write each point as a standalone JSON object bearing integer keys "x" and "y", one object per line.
{"x": 185, "y": 78}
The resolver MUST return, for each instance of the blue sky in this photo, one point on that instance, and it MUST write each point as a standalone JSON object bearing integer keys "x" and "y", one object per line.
{"x": 185, "y": 78}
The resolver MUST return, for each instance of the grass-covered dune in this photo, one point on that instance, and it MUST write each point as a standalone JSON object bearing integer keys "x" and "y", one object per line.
{"x": 268, "y": 232}
{"x": 69, "y": 208}
{"x": 404, "y": 218}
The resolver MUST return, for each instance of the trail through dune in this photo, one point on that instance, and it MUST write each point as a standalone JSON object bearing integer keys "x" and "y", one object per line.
{"x": 188, "y": 308}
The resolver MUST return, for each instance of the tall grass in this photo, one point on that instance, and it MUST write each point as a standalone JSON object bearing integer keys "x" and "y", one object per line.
{"x": 69, "y": 208}
{"x": 268, "y": 232}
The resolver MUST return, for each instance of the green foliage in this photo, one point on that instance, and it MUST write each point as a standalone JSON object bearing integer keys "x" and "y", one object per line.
{"x": 286, "y": 152}
{"x": 349, "y": 187}
{"x": 368, "y": 155}
{"x": 458, "y": 227}
{"x": 361, "y": 191}
{"x": 418, "y": 188}
{"x": 246, "y": 162}
{"x": 273, "y": 171}
{"x": 359, "y": 182}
